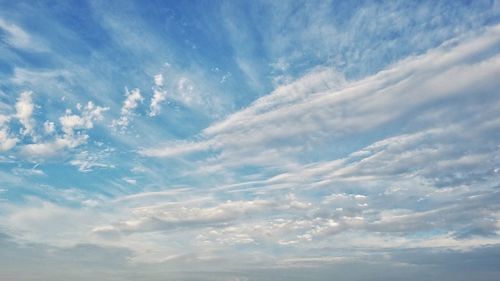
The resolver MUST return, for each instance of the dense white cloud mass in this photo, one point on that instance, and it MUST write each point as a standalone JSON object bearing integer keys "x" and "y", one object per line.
{"x": 261, "y": 141}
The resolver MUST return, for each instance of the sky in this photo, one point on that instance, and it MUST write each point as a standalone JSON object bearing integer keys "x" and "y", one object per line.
{"x": 249, "y": 140}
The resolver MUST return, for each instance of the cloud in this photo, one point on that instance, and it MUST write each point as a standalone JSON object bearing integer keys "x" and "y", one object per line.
{"x": 176, "y": 149}
{"x": 7, "y": 141}
{"x": 90, "y": 113}
{"x": 51, "y": 149}
{"x": 324, "y": 176}
{"x": 24, "y": 112}
{"x": 307, "y": 110}
{"x": 87, "y": 161}
{"x": 158, "y": 79}
{"x": 42, "y": 217}
{"x": 49, "y": 127}
{"x": 185, "y": 91}
{"x": 153, "y": 218}
{"x": 73, "y": 127}
{"x": 420, "y": 174}
{"x": 16, "y": 36}
{"x": 132, "y": 100}
{"x": 159, "y": 95}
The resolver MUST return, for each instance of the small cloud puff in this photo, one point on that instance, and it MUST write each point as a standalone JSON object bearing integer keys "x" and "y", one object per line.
{"x": 71, "y": 122}
{"x": 159, "y": 95}
{"x": 158, "y": 80}
{"x": 24, "y": 112}
{"x": 49, "y": 127}
{"x": 72, "y": 128}
{"x": 132, "y": 100}
{"x": 7, "y": 142}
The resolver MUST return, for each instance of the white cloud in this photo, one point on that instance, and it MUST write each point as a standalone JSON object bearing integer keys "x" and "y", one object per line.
{"x": 24, "y": 112}
{"x": 132, "y": 100}
{"x": 90, "y": 113}
{"x": 355, "y": 207}
{"x": 16, "y": 35}
{"x": 185, "y": 91}
{"x": 88, "y": 161}
{"x": 4, "y": 119}
{"x": 435, "y": 170}
{"x": 73, "y": 127}
{"x": 158, "y": 78}
{"x": 322, "y": 106}
{"x": 52, "y": 148}
{"x": 38, "y": 220}
{"x": 151, "y": 218}
{"x": 159, "y": 95}
{"x": 69, "y": 122}
{"x": 176, "y": 149}
{"x": 7, "y": 142}
{"x": 49, "y": 127}
{"x": 28, "y": 172}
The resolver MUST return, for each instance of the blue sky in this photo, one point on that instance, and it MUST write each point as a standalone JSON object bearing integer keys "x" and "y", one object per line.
{"x": 249, "y": 140}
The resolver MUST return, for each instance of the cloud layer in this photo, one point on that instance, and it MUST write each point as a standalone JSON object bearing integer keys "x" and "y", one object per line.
{"x": 259, "y": 141}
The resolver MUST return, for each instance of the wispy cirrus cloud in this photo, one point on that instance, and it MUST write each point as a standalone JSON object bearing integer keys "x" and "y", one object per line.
{"x": 310, "y": 106}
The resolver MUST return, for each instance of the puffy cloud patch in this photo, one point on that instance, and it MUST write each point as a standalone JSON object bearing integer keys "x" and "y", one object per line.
{"x": 7, "y": 141}
{"x": 89, "y": 113}
{"x": 132, "y": 100}
{"x": 73, "y": 127}
{"x": 159, "y": 95}
{"x": 24, "y": 112}
{"x": 49, "y": 127}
